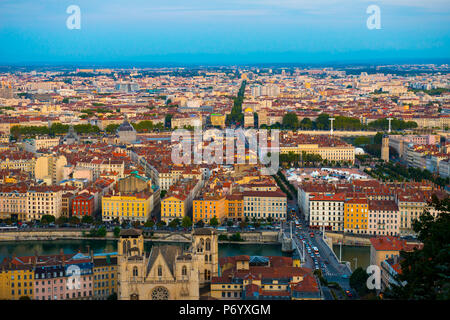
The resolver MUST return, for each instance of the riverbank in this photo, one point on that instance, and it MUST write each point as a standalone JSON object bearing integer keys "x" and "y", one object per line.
{"x": 101, "y": 245}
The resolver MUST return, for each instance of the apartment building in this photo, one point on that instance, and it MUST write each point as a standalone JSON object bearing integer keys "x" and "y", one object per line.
{"x": 137, "y": 207}
{"x": 43, "y": 200}
{"x": 83, "y": 205}
{"x": 22, "y": 160}
{"x": 13, "y": 202}
{"x": 105, "y": 275}
{"x": 50, "y": 168}
{"x": 356, "y": 212}
{"x": 234, "y": 206}
{"x": 179, "y": 199}
{"x": 260, "y": 278}
{"x": 327, "y": 211}
{"x": 40, "y": 142}
{"x": 383, "y": 218}
{"x": 328, "y": 147}
{"x": 265, "y": 204}
{"x": 385, "y": 247}
{"x": 209, "y": 206}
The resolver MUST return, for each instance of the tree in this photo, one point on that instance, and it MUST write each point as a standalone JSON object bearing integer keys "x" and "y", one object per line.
{"x": 87, "y": 219}
{"x": 174, "y": 223}
{"x": 358, "y": 281}
{"x": 186, "y": 222}
{"x": 136, "y": 224}
{"x": 361, "y": 141}
{"x": 290, "y": 121}
{"x": 111, "y": 128}
{"x": 200, "y": 224}
{"x": 426, "y": 272}
{"x": 236, "y": 237}
{"x": 213, "y": 222}
{"x": 61, "y": 220}
{"x": 161, "y": 223}
{"x": 149, "y": 223}
{"x": 47, "y": 218}
{"x": 116, "y": 232}
{"x": 323, "y": 122}
{"x": 306, "y": 124}
{"x": 243, "y": 224}
{"x": 74, "y": 220}
{"x": 101, "y": 232}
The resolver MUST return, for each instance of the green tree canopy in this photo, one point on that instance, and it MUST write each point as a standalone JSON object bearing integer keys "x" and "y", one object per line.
{"x": 358, "y": 281}
{"x": 149, "y": 223}
{"x": 47, "y": 218}
{"x": 87, "y": 219}
{"x": 186, "y": 222}
{"x": 174, "y": 223}
{"x": 290, "y": 121}
{"x": 213, "y": 222}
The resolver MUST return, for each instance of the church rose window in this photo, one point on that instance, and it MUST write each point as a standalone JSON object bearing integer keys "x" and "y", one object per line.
{"x": 160, "y": 293}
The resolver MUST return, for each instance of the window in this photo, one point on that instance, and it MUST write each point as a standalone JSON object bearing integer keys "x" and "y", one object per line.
{"x": 184, "y": 271}
{"x": 159, "y": 271}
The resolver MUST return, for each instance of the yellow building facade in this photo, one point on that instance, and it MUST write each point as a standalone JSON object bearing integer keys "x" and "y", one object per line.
{"x": 234, "y": 205}
{"x": 133, "y": 208}
{"x": 206, "y": 209}
{"x": 172, "y": 208}
{"x": 105, "y": 275}
{"x": 16, "y": 283}
{"x": 355, "y": 216}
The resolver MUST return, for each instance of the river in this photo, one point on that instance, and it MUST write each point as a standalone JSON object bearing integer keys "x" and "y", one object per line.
{"x": 356, "y": 255}
{"x": 27, "y": 248}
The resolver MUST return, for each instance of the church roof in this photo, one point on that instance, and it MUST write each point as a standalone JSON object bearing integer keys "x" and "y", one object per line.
{"x": 125, "y": 126}
{"x": 168, "y": 252}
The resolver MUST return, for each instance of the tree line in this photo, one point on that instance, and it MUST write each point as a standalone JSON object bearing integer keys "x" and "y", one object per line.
{"x": 54, "y": 129}
{"x": 290, "y": 121}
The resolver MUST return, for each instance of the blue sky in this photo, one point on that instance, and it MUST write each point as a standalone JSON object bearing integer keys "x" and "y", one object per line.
{"x": 213, "y": 31}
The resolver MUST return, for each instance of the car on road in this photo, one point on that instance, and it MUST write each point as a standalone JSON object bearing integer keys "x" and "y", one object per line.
{"x": 348, "y": 293}
{"x": 344, "y": 276}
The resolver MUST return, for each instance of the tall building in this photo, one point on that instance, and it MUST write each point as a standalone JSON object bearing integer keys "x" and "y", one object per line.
{"x": 385, "y": 148}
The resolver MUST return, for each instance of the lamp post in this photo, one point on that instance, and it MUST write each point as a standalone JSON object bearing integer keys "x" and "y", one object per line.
{"x": 389, "y": 119}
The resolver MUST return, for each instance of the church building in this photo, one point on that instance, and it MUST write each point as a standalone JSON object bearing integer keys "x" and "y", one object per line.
{"x": 167, "y": 272}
